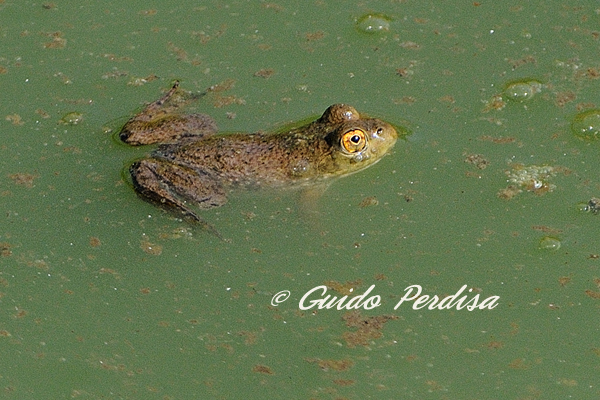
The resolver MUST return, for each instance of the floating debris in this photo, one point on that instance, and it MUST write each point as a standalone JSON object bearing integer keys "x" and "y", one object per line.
{"x": 368, "y": 201}
{"x": 533, "y": 178}
{"x": 478, "y": 160}
{"x": 529, "y": 178}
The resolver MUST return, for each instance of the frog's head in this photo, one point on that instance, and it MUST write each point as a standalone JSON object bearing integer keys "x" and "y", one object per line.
{"x": 356, "y": 142}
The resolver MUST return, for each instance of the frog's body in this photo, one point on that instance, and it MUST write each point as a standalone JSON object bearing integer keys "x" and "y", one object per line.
{"x": 198, "y": 166}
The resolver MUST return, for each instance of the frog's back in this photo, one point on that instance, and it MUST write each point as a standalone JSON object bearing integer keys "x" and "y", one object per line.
{"x": 253, "y": 159}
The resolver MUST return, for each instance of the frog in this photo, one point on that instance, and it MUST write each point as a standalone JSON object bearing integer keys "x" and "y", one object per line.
{"x": 195, "y": 167}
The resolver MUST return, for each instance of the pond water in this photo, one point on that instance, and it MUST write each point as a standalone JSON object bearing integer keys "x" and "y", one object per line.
{"x": 103, "y": 295}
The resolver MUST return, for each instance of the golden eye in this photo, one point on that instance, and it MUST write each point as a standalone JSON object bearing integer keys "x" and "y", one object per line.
{"x": 354, "y": 140}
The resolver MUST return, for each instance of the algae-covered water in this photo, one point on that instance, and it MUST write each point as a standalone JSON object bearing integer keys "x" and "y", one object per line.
{"x": 103, "y": 295}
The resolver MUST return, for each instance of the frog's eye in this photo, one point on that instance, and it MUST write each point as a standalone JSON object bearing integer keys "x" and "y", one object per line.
{"x": 353, "y": 141}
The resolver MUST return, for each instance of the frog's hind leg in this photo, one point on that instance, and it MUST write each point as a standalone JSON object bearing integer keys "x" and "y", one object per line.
{"x": 169, "y": 185}
{"x": 167, "y": 129}
{"x": 159, "y": 122}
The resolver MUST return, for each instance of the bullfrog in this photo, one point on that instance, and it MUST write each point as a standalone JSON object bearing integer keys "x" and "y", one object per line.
{"x": 195, "y": 168}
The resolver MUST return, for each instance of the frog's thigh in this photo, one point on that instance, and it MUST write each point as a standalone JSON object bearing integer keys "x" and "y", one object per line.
{"x": 171, "y": 127}
{"x": 168, "y": 183}
{"x": 199, "y": 125}
{"x": 167, "y": 128}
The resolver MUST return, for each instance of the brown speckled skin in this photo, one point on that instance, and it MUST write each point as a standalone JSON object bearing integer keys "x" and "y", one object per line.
{"x": 311, "y": 152}
{"x": 198, "y": 166}
{"x": 158, "y": 121}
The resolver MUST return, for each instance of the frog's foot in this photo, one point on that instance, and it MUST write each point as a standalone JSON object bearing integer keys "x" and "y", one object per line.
{"x": 159, "y": 123}
{"x": 170, "y": 101}
{"x": 169, "y": 184}
{"x": 160, "y": 102}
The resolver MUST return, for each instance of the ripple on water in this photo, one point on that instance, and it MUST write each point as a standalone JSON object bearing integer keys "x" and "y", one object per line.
{"x": 373, "y": 23}
{"x": 586, "y": 124}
